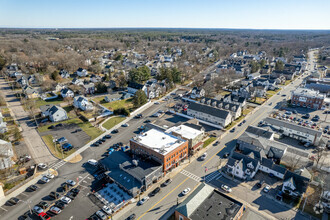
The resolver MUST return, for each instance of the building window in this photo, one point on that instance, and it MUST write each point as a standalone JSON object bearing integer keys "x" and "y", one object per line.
{"x": 180, "y": 217}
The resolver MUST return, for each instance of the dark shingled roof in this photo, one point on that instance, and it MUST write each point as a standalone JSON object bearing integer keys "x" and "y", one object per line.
{"x": 209, "y": 110}
{"x": 301, "y": 182}
{"x": 259, "y": 132}
{"x": 135, "y": 85}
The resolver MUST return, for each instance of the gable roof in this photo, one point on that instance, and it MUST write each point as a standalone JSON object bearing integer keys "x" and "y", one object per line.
{"x": 259, "y": 132}
{"x": 300, "y": 182}
{"x": 135, "y": 85}
{"x": 209, "y": 110}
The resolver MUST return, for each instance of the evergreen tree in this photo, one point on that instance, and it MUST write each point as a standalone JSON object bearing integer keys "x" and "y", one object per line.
{"x": 139, "y": 98}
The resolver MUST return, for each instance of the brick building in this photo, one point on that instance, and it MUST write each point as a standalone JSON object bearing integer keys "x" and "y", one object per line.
{"x": 162, "y": 147}
{"x": 307, "y": 98}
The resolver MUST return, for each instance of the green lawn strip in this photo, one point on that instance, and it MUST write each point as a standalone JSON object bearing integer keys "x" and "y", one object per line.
{"x": 209, "y": 141}
{"x": 40, "y": 102}
{"x": 48, "y": 139}
{"x": 112, "y": 122}
{"x": 87, "y": 127}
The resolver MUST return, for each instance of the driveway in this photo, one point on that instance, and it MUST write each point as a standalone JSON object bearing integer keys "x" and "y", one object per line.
{"x": 38, "y": 150}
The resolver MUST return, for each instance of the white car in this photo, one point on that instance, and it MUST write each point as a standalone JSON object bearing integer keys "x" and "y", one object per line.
{"x": 101, "y": 215}
{"x": 125, "y": 125}
{"x": 37, "y": 209}
{"x": 186, "y": 191}
{"x": 143, "y": 200}
{"x": 50, "y": 176}
{"x": 42, "y": 166}
{"x": 66, "y": 200}
{"x": 92, "y": 162}
{"x": 204, "y": 156}
{"x": 71, "y": 182}
{"x": 44, "y": 179}
{"x": 55, "y": 210}
{"x": 267, "y": 188}
{"x": 107, "y": 210}
{"x": 226, "y": 188}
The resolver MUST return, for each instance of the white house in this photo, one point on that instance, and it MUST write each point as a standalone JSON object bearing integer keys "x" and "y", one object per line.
{"x": 55, "y": 113}
{"x": 197, "y": 93}
{"x": 65, "y": 92}
{"x": 3, "y": 125}
{"x": 82, "y": 103}
{"x": 82, "y": 72}
{"x": 134, "y": 87}
{"x": 6, "y": 153}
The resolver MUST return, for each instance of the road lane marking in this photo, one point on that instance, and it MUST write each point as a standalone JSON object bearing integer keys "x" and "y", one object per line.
{"x": 191, "y": 175}
{"x": 4, "y": 209}
{"x": 163, "y": 198}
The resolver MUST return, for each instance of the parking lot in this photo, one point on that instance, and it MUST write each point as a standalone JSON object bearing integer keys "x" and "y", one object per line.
{"x": 74, "y": 135}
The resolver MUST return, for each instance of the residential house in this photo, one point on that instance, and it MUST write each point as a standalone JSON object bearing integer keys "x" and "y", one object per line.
{"x": 269, "y": 84}
{"x": 295, "y": 131}
{"x": 22, "y": 81}
{"x": 112, "y": 84}
{"x": 197, "y": 93}
{"x": 65, "y": 92}
{"x": 34, "y": 80}
{"x": 242, "y": 166}
{"x": 294, "y": 184}
{"x": 206, "y": 202}
{"x": 16, "y": 74}
{"x": 82, "y": 72}
{"x": 210, "y": 114}
{"x": 253, "y": 76}
{"x": 133, "y": 87}
{"x": 259, "y": 91}
{"x": 154, "y": 89}
{"x": 59, "y": 87}
{"x": 30, "y": 92}
{"x": 3, "y": 125}
{"x": 234, "y": 109}
{"x": 113, "y": 97}
{"x": 288, "y": 74}
{"x": 12, "y": 69}
{"x": 82, "y": 103}
{"x": 95, "y": 78}
{"x": 235, "y": 99}
{"x": 76, "y": 81}
{"x": 53, "y": 112}
{"x": 6, "y": 153}
{"x": 89, "y": 88}
{"x": 64, "y": 74}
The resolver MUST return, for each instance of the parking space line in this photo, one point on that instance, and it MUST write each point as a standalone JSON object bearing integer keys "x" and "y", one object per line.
{"x": 4, "y": 209}
{"x": 24, "y": 194}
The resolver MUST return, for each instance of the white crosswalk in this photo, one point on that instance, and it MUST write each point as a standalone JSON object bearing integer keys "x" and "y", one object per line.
{"x": 192, "y": 176}
{"x": 212, "y": 176}
{"x": 58, "y": 165}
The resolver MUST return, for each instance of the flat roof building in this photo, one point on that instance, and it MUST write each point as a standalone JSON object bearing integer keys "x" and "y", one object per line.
{"x": 162, "y": 147}
{"x": 308, "y": 98}
{"x": 208, "y": 203}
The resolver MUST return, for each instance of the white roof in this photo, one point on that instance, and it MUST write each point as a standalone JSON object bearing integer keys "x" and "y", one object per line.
{"x": 185, "y": 131}
{"x": 159, "y": 141}
{"x": 307, "y": 93}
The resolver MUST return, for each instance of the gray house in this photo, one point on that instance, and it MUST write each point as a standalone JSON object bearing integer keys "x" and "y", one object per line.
{"x": 55, "y": 113}
{"x": 6, "y": 153}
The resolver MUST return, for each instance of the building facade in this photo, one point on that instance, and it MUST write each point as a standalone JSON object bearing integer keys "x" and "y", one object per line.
{"x": 307, "y": 98}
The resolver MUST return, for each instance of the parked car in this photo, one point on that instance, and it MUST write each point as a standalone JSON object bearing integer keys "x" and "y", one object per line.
{"x": 43, "y": 204}
{"x": 13, "y": 201}
{"x": 167, "y": 182}
{"x": 226, "y": 188}
{"x": 266, "y": 189}
{"x": 155, "y": 191}
{"x": 42, "y": 166}
{"x": 71, "y": 182}
{"x": 260, "y": 183}
{"x": 56, "y": 210}
{"x": 44, "y": 179}
{"x": 139, "y": 116}
{"x": 185, "y": 192}
{"x": 37, "y": 209}
{"x": 143, "y": 200}
{"x": 157, "y": 103}
{"x": 306, "y": 116}
{"x": 92, "y": 162}
{"x": 107, "y": 210}
{"x": 50, "y": 176}
{"x": 33, "y": 188}
{"x": 232, "y": 130}
{"x": 75, "y": 191}
{"x": 108, "y": 136}
{"x": 54, "y": 195}
{"x": 125, "y": 125}
{"x": 60, "y": 204}
{"x": 131, "y": 217}
{"x": 25, "y": 158}
{"x": 147, "y": 121}
{"x": 61, "y": 140}
{"x": 65, "y": 200}
{"x": 115, "y": 131}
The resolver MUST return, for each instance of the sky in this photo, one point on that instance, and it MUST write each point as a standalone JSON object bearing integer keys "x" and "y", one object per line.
{"x": 240, "y": 14}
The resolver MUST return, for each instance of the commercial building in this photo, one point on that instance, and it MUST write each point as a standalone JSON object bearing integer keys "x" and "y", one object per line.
{"x": 210, "y": 114}
{"x": 162, "y": 147}
{"x": 205, "y": 202}
{"x": 193, "y": 136}
{"x": 307, "y": 98}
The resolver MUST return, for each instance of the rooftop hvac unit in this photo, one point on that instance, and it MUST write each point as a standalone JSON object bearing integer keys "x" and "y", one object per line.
{"x": 135, "y": 162}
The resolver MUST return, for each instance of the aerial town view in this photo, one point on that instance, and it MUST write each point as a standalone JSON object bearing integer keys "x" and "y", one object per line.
{"x": 169, "y": 110}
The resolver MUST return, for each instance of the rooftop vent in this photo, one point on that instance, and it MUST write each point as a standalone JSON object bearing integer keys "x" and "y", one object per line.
{"x": 135, "y": 162}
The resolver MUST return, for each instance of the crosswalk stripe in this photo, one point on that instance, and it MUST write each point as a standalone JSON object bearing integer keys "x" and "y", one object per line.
{"x": 192, "y": 176}
{"x": 212, "y": 176}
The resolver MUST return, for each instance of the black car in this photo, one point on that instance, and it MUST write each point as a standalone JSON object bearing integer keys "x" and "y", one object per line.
{"x": 59, "y": 125}
{"x": 26, "y": 215}
{"x": 43, "y": 204}
{"x": 120, "y": 144}
{"x": 60, "y": 205}
{"x": 108, "y": 136}
{"x": 232, "y": 130}
{"x": 71, "y": 195}
{"x": 226, "y": 155}
{"x": 294, "y": 112}
{"x": 13, "y": 201}
{"x": 147, "y": 121}
{"x": 51, "y": 127}
{"x": 260, "y": 183}
{"x": 75, "y": 191}
{"x": 95, "y": 144}
{"x": 155, "y": 191}
{"x": 114, "y": 131}
{"x": 102, "y": 140}
{"x": 167, "y": 182}
{"x": 33, "y": 188}
{"x": 315, "y": 119}
{"x": 131, "y": 217}
{"x": 244, "y": 121}
{"x": 138, "y": 116}
{"x": 54, "y": 195}
{"x": 306, "y": 116}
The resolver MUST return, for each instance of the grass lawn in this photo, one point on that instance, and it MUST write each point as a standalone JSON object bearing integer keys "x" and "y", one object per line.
{"x": 223, "y": 92}
{"x": 87, "y": 127}
{"x": 125, "y": 103}
{"x": 40, "y": 102}
{"x": 112, "y": 122}
{"x": 69, "y": 110}
{"x": 48, "y": 139}
{"x": 209, "y": 141}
